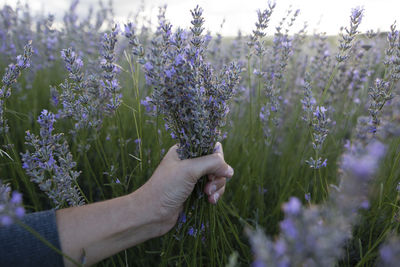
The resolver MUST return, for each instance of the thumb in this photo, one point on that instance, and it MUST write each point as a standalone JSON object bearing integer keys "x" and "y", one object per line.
{"x": 210, "y": 164}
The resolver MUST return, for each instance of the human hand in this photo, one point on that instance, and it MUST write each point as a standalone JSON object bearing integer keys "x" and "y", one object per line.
{"x": 174, "y": 180}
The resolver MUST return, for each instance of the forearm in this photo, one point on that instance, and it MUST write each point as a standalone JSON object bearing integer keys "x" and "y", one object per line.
{"x": 102, "y": 229}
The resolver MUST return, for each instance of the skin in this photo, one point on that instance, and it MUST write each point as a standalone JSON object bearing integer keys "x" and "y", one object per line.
{"x": 103, "y": 229}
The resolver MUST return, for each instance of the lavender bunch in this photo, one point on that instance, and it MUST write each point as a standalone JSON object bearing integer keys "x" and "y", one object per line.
{"x": 348, "y": 38}
{"x": 11, "y": 207}
{"x": 319, "y": 127}
{"x": 51, "y": 165}
{"x": 192, "y": 98}
{"x": 13, "y": 71}
{"x": 314, "y": 236}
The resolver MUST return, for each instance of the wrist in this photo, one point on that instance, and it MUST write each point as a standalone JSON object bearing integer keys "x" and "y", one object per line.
{"x": 147, "y": 216}
{"x": 157, "y": 218}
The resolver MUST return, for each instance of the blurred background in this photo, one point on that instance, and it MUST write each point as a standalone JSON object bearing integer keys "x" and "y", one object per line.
{"x": 321, "y": 15}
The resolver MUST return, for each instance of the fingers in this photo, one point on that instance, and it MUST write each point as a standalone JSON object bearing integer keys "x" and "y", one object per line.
{"x": 218, "y": 149}
{"x": 211, "y": 164}
{"x": 172, "y": 153}
{"x": 216, "y": 196}
{"x": 214, "y": 186}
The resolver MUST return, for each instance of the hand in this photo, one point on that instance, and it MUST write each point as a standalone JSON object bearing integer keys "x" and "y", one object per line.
{"x": 104, "y": 228}
{"x": 174, "y": 180}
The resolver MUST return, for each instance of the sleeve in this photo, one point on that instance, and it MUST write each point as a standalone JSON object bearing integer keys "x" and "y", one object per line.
{"x": 18, "y": 247}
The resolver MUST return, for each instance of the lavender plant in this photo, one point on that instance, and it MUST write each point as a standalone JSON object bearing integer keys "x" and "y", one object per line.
{"x": 13, "y": 71}
{"x": 350, "y": 33}
{"x": 315, "y": 236}
{"x": 389, "y": 253}
{"x": 296, "y": 78}
{"x": 320, "y": 123}
{"x": 110, "y": 85}
{"x": 51, "y": 165}
{"x": 11, "y": 207}
{"x": 81, "y": 98}
{"x": 345, "y": 45}
{"x": 281, "y": 50}
{"x": 381, "y": 92}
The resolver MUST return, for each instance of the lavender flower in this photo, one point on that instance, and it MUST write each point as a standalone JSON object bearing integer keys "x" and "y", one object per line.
{"x": 11, "y": 207}
{"x": 319, "y": 123}
{"x": 50, "y": 39}
{"x": 308, "y": 101}
{"x": 111, "y": 85}
{"x": 379, "y": 95}
{"x": 13, "y": 71}
{"x": 137, "y": 48}
{"x": 389, "y": 253}
{"x": 261, "y": 25}
{"x": 382, "y": 91}
{"x": 314, "y": 236}
{"x": 81, "y": 98}
{"x": 347, "y": 39}
{"x": 282, "y": 48}
{"x": 50, "y": 164}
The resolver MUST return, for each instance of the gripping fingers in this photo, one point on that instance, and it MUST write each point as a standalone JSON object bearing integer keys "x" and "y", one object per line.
{"x": 216, "y": 196}
{"x": 214, "y": 185}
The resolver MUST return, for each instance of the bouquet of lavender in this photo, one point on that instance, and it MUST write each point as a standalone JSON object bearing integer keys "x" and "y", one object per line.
{"x": 192, "y": 97}
{"x": 187, "y": 91}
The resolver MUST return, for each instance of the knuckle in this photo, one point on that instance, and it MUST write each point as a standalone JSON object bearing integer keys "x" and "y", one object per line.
{"x": 218, "y": 157}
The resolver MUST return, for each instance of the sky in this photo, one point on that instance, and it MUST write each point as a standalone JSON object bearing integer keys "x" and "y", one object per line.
{"x": 321, "y": 15}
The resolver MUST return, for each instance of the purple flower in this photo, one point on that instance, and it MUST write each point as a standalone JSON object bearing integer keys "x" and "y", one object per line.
{"x": 170, "y": 72}
{"x": 13, "y": 71}
{"x": 192, "y": 231}
{"x": 292, "y": 207}
{"x": 179, "y": 59}
{"x": 50, "y": 164}
{"x": 11, "y": 207}
{"x": 16, "y": 198}
{"x": 148, "y": 66}
{"x": 289, "y": 228}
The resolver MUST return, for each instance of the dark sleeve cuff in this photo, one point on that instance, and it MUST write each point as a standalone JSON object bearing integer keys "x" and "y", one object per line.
{"x": 18, "y": 247}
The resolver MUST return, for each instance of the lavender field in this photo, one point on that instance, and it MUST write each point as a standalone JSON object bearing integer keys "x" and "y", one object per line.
{"x": 309, "y": 122}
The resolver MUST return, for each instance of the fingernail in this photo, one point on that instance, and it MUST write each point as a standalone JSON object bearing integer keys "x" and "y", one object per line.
{"x": 216, "y": 197}
{"x": 230, "y": 171}
{"x": 212, "y": 190}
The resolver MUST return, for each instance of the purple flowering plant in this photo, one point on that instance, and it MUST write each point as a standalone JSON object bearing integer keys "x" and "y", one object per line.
{"x": 11, "y": 207}
{"x": 13, "y": 71}
{"x": 50, "y": 164}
